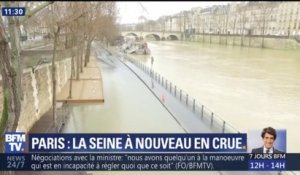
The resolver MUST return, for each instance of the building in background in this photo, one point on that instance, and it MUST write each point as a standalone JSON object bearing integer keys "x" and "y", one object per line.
{"x": 276, "y": 18}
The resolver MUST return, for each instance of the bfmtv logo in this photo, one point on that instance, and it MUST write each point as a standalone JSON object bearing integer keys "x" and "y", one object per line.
{"x": 15, "y": 142}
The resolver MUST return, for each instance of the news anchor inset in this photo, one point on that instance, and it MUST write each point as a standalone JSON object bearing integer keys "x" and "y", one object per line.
{"x": 269, "y": 136}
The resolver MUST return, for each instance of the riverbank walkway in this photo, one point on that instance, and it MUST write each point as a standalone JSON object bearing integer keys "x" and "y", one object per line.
{"x": 88, "y": 89}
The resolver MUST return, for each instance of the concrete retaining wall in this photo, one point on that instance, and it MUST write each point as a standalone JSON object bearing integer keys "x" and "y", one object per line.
{"x": 272, "y": 43}
{"x": 37, "y": 90}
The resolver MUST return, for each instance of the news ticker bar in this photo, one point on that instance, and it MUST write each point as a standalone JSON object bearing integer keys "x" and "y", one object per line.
{"x": 16, "y": 142}
{"x": 149, "y": 162}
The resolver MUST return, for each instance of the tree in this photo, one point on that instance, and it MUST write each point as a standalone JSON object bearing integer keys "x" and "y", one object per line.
{"x": 162, "y": 23}
{"x": 242, "y": 21}
{"x": 266, "y": 9}
{"x": 142, "y": 19}
{"x": 227, "y": 11}
{"x": 11, "y": 97}
{"x": 151, "y": 25}
{"x": 11, "y": 69}
{"x": 210, "y": 25}
{"x": 100, "y": 23}
{"x": 252, "y": 7}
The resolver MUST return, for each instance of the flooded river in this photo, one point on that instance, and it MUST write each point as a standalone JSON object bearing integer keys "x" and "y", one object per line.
{"x": 251, "y": 88}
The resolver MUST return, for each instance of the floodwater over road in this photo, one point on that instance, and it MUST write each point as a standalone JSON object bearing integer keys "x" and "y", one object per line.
{"x": 251, "y": 88}
{"x": 129, "y": 107}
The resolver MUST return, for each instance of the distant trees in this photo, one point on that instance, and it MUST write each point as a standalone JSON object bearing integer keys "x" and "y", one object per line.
{"x": 266, "y": 10}
{"x": 141, "y": 24}
{"x": 242, "y": 21}
{"x": 162, "y": 23}
{"x": 151, "y": 25}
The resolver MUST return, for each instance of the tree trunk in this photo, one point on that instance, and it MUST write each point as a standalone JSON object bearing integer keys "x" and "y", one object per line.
{"x": 68, "y": 40}
{"x": 54, "y": 77}
{"x": 77, "y": 63}
{"x": 14, "y": 33}
{"x": 9, "y": 79}
{"x": 18, "y": 30}
{"x": 72, "y": 72}
{"x": 3, "y": 120}
{"x": 234, "y": 32}
{"x": 233, "y": 40}
{"x": 226, "y": 29}
{"x": 263, "y": 37}
{"x": 87, "y": 52}
{"x": 243, "y": 35}
{"x": 74, "y": 65}
{"x": 20, "y": 61}
{"x": 242, "y": 40}
{"x": 226, "y": 41}
{"x": 263, "y": 32}
{"x": 250, "y": 40}
{"x": 263, "y": 41}
{"x": 10, "y": 89}
{"x": 14, "y": 39}
{"x": 81, "y": 58}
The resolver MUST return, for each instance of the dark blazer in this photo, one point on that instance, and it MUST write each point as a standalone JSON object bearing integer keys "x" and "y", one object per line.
{"x": 261, "y": 150}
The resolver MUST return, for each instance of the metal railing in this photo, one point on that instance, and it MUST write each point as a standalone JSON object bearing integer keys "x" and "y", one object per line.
{"x": 204, "y": 113}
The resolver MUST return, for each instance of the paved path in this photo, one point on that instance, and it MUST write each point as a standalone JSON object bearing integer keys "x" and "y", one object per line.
{"x": 88, "y": 89}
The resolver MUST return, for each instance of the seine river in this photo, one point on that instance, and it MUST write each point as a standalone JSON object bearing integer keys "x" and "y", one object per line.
{"x": 251, "y": 88}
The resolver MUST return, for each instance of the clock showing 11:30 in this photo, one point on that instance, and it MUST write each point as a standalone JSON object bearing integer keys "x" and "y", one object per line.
{"x": 13, "y": 11}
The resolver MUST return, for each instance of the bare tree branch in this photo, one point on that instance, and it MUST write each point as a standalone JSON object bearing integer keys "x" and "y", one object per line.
{"x": 29, "y": 14}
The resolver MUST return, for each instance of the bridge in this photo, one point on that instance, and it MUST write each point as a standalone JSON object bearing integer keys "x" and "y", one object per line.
{"x": 157, "y": 35}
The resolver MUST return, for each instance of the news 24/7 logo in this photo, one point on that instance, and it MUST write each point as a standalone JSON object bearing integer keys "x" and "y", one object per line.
{"x": 15, "y": 142}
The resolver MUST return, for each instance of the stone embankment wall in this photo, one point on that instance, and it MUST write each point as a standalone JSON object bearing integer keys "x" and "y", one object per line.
{"x": 37, "y": 90}
{"x": 271, "y": 43}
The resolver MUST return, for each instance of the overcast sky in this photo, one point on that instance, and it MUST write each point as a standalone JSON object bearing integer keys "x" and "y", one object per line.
{"x": 130, "y": 11}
